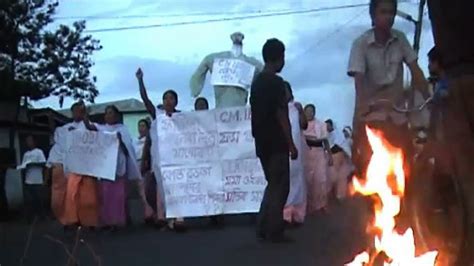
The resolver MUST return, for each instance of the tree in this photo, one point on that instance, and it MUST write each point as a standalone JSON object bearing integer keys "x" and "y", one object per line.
{"x": 38, "y": 62}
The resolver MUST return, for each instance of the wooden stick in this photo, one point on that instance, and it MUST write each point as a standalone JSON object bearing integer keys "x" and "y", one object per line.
{"x": 28, "y": 241}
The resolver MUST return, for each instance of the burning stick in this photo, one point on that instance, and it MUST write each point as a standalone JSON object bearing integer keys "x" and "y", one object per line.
{"x": 91, "y": 250}
{"x": 74, "y": 248}
{"x": 28, "y": 241}
{"x": 70, "y": 256}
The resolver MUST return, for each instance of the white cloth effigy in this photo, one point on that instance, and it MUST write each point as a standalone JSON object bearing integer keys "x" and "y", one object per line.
{"x": 297, "y": 193}
{"x": 139, "y": 144}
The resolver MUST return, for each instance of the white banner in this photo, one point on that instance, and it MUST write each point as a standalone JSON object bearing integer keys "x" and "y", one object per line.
{"x": 92, "y": 153}
{"x": 232, "y": 72}
{"x": 208, "y": 163}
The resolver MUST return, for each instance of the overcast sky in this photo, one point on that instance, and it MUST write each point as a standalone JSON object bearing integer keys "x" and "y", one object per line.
{"x": 317, "y": 43}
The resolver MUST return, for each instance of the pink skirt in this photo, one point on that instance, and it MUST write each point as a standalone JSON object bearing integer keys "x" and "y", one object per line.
{"x": 113, "y": 197}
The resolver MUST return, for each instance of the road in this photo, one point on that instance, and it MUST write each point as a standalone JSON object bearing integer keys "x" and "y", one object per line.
{"x": 325, "y": 240}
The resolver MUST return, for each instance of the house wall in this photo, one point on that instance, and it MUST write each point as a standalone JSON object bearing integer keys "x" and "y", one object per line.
{"x": 130, "y": 120}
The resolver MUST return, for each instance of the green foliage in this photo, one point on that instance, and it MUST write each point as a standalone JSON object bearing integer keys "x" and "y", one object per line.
{"x": 56, "y": 61}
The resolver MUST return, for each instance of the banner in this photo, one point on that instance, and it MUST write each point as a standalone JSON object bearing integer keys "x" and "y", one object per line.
{"x": 92, "y": 153}
{"x": 208, "y": 163}
{"x": 232, "y": 72}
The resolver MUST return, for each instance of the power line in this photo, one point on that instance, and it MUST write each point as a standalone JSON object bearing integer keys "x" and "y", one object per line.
{"x": 273, "y": 14}
{"x": 197, "y": 14}
{"x": 334, "y": 32}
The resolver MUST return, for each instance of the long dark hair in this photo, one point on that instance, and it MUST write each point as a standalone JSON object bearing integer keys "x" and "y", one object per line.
{"x": 172, "y": 92}
{"x": 145, "y": 121}
{"x": 116, "y": 111}
{"x": 201, "y": 99}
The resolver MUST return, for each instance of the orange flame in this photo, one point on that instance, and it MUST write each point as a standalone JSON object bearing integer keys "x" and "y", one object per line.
{"x": 386, "y": 179}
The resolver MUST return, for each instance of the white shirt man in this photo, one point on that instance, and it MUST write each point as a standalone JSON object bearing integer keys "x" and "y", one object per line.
{"x": 33, "y": 172}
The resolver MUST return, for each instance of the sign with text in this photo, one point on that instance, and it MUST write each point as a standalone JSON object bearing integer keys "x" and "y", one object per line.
{"x": 208, "y": 163}
{"x": 232, "y": 72}
{"x": 92, "y": 153}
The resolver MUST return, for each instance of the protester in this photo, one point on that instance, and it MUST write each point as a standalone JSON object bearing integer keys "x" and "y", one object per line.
{"x": 201, "y": 104}
{"x": 33, "y": 164}
{"x": 56, "y": 162}
{"x": 170, "y": 101}
{"x": 451, "y": 23}
{"x": 295, "y": 208}
{"x": 341, "y": 154}
{"x": 348, "y": 135}
{"x": 273, "y": 142}
{"x": 376, "y": 64}
{"x": 113, "y": 193}
{"x": 317, "y": 160}
{"x": 81, "y": 205}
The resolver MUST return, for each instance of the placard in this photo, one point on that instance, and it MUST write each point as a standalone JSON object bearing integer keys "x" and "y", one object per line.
{"x": 232, "y": 72}
{"x": 92, "y": 153}
{"x": 208, "y": 163}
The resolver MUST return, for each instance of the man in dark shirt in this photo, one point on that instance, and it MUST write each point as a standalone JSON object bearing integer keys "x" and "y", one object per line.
{"x": 273, "y": 142}
{"x": 452, "y": 23}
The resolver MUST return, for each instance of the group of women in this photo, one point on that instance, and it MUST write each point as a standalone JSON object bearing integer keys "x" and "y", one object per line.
{"x": 323, "y": 166}
{"x": 91, "y": 202}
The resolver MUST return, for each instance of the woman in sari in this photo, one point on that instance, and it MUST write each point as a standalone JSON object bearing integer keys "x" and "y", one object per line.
{"x": 295, "y": 208}
{"x": 81, "y": 203}
{"x": 317, "y": 159}
{"x": 170, "y": 101}
{"x": 56, "y": 158}
{"x": 113, "y": 193}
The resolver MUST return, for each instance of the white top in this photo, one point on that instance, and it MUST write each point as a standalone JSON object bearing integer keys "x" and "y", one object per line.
{"x": 33, "y": 174}
{"x": 139, "y": 144}
{"x": 57, "y": 152}
{"x": 336, "y": 137}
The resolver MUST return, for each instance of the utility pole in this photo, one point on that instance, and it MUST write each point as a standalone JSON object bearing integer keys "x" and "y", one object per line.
{"x": 418, "y": 24}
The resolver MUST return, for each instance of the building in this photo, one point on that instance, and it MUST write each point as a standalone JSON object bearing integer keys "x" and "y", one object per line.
{"x": 132, "y": 111}
{"x": 40, "y": 123}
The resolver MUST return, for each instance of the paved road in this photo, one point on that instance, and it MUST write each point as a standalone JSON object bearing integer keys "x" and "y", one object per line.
{"x": 325, "y": 240}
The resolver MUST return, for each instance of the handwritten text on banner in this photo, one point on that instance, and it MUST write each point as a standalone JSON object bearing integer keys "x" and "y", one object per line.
{"x": 208, "y": 163}
{"x": 232, "y": 72}
{"x": 92, "y": 153}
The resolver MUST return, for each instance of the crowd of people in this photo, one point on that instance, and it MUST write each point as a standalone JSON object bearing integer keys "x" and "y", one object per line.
{"x": 304, "y": 159}
{"x": 90, "y": 202}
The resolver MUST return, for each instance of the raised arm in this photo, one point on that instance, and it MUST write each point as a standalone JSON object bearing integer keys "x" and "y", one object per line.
{"x": 89, "y": 125}
{"x": 148, "y": 103}
{"x": 196, "y": 83}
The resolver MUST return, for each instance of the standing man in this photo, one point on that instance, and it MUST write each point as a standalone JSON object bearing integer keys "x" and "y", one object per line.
{"x": 273, "y": 142}
{"x": 376, "y": 64}
{"x": 33, "y": 162}
{"x": 452, "y": 29}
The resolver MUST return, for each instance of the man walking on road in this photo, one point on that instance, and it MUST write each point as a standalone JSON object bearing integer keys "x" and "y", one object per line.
{"x": 272, "y": 132}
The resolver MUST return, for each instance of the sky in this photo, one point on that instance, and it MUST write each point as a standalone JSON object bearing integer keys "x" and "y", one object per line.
{"x": 317, "y": 45}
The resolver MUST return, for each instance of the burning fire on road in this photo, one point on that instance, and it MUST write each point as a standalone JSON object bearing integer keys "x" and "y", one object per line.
{"x": 385, "y": 182}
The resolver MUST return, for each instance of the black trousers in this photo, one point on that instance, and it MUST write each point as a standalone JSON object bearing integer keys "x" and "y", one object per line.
{"x": 3, "y": 196}
{"x": 270, "y": 222}
{"x": 34, "y": 202}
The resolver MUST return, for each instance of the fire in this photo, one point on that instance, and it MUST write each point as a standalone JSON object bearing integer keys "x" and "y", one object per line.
{"x": 386, "y": 180}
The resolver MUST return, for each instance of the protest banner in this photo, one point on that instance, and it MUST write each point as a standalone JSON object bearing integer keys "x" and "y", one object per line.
{"x": 208, "y": 163}
{"x": 92, "y": 153}
{"x": 232, "y": 72}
